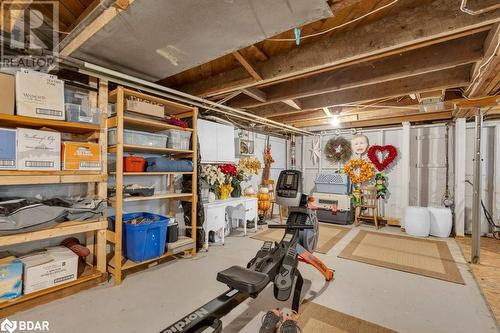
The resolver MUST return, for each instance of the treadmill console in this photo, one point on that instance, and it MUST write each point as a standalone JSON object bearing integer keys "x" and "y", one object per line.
{"x": 288, "y": 189}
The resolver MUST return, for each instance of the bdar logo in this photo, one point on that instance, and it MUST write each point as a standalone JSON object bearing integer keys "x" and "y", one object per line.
{"x": 8, "y": 326}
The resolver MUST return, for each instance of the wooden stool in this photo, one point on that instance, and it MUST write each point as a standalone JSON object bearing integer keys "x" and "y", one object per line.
{"x": 369, "y": 201}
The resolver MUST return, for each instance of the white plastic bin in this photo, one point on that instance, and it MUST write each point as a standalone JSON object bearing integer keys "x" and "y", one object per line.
{"x": 417, "y": 221}
{"x": 441, "y": 221}
{"x": 131, "y": 137}
{"x": 178, "y": 139}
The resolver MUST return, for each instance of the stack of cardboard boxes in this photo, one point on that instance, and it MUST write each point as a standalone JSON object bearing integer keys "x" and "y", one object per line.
{"x": 36, "y": 271}
{"x": 42, "y": 96}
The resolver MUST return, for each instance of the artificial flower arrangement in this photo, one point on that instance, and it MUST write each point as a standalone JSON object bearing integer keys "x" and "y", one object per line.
{"x": 247, "y": 168}
{"x": 230, "y": 172}
{"x": 225, "y": 179}
{"x": 212, "y": 175}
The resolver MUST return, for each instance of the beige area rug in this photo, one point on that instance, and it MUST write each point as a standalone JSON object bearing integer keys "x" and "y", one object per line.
{"x": 408, "y": 254}
{"x": 329, "y": 235}
{"x": 315, "y": 318}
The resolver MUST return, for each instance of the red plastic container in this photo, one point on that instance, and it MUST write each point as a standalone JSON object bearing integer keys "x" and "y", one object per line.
{"x": 134, "y": 164}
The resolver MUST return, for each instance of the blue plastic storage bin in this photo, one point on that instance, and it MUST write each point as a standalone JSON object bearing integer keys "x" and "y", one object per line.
{"x": 143, "y": 241}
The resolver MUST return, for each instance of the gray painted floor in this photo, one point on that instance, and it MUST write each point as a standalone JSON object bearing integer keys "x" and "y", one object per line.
{"x": 150, "y": 300}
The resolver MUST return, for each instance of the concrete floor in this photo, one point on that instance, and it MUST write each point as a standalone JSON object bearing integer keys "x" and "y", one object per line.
{"x": 150, "y": 300}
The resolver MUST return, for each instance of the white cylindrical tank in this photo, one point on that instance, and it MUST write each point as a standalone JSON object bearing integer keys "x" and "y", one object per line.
{"x": 441, "y": 221}
{"x": 417, "y": 221}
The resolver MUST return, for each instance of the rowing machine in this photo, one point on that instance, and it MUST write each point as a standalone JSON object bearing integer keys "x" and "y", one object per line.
{"x": 274, "y": 262}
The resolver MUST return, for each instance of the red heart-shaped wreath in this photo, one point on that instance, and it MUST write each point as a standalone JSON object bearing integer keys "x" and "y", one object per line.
{"x": 391, "y": 156}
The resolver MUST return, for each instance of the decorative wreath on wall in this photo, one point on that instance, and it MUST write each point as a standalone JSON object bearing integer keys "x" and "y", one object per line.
{"x": 388, "y": 153}
{"x": 338, "y": 150}
{"x": 359, "y": 170}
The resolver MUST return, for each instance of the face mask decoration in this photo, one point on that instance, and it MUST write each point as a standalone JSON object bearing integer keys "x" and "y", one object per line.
{"x": 359, "y": 144}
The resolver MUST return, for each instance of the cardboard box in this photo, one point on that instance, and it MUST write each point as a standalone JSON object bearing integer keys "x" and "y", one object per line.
{"x": 81, "y": 156}
{"x": 55, "y": 266}
{"x": 146, "y": 108}
{"x": 39, "y": 95}
{"x": 7, "y": 93}
{"x": 38, "y": 150}
{"x": 11, "y": 278}
{"x": 8, "y": 146}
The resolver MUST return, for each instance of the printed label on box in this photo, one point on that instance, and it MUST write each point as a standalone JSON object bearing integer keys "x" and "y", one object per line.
{"x": 39, "y": 95}
{"x": 38, "y": 150}
{"x": 81, "y": 156}
{"x": 8, "y": 149}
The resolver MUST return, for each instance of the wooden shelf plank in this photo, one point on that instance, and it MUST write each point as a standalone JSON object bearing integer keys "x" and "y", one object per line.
{"x": 146, "y": 149}
{"x": 63, "y": 126}
{"x": 50, "y": 177}
{"x": 169, "y": 105}
{"x": 159, "y": 196}
{"x": 89, "y": 278}
{"x": 61, "y": 229}
{"x": 144, "y": 124}
{"x": 154, "y": 173}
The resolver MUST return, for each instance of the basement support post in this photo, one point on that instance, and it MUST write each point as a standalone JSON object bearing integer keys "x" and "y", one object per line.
{"x": 476, "y": 201}
{"x": 496, "y": 183}
{"x": 405, "y": 169}
{"x": 460, "y": 162}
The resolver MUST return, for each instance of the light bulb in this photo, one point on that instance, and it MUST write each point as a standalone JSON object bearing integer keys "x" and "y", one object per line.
{"x": 335, "y": 120}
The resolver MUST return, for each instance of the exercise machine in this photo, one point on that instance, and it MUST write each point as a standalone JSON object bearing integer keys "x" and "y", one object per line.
{"x": 275, "y": 262}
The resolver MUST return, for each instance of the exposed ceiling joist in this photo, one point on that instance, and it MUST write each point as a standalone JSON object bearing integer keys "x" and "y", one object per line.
{"x": 260, "y": 54}
{"x": 247, "y": 66}
{"x": 431, "y": 58}
{"x": 394, "y": 33}
{"x": 449, "y": 78}
{"x": 416, "y": 117}
{"x": 89, "y": 25}
{"x": 294, "y": 103}
{"x": 486, "y": 74}
{"x": 255, "y": 94}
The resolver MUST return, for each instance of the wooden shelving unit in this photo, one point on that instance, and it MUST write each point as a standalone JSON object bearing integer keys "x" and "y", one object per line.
{"x": 50, "y": 177}
{"x": 95, "y": 271}
{"x": 117, "y": 265}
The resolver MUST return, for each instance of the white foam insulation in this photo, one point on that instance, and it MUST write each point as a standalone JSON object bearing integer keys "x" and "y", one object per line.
{"x": 155, "y": 39}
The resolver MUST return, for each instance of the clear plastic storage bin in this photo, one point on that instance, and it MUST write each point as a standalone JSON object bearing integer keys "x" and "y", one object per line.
{"x": 77, "y": 106}
{"x": 75, "y": 113}
{"x": 178, "y": 139}
{"x": 131, "y": 137}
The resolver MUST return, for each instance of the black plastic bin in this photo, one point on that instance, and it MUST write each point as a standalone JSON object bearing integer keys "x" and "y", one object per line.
{"x": 173, "y": 232}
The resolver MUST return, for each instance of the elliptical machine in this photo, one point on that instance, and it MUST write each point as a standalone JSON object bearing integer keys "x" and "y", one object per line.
{"x": 274, "y": 262}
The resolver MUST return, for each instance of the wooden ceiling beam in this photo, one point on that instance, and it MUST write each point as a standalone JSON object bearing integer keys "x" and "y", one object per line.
{"x": 259, "y": 53}
{"x": 487, "y": 68}
{"x": 247, "y": 66}
{"x": 416, "y": 117}
{"x": 95, "y": 26}
{"x": 393, "y": 33}
{"x": 449, "y": 78}
{"x": 294, "y": 103}
{"x": 428, "y": 59}
{"x": 255, "y": 94}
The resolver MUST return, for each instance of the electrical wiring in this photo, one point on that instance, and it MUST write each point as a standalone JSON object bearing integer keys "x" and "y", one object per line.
{"x": 485, "y": 64}
{"x": 463, "y": 7}
{"x": 488, "y": 216}
{"x": 333, "y": 28}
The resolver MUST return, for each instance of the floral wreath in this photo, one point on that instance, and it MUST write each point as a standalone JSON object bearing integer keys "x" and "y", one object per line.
{"x": 338, "y": 150}
{"x": 391, "y": 156}
{"x": 365, "y": 170}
